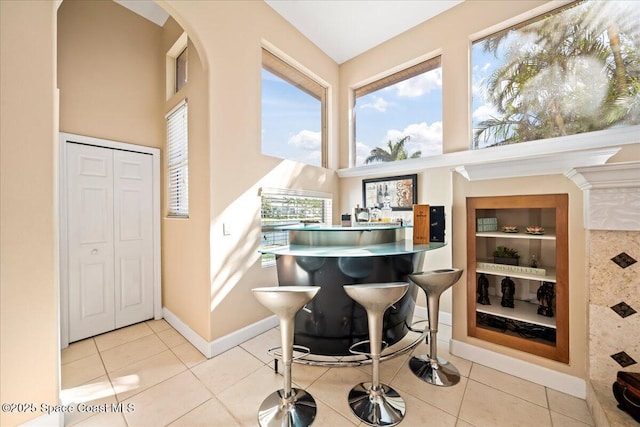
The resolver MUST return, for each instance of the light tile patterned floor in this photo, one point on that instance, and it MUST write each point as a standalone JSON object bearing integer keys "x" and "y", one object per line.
{"x": 152, "y": 370}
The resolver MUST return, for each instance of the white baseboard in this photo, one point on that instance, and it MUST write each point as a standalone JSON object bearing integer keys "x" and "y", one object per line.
{"x": 227, "y": 342}
{"x": 47, "y": 420}
{"x": 212, "y": 348}
{"x": 519, "y": 368}
{"x": 233, "y": 339}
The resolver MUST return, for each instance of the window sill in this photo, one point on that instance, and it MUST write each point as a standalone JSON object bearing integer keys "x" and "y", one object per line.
{"x": 549, "y": 156}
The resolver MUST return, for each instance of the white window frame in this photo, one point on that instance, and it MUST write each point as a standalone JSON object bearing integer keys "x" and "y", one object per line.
{"x": 327, "y": 214}
{"x": 178, "y": 161}
{"x": 170, "y": 63}
{"x": 431, "y": 63}
{"x": 273, "y": 62}
{"x": 571, "y": 140}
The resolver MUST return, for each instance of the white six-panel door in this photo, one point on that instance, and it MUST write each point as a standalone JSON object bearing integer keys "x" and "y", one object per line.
{"x": 133, "y": 237}
{"x": 110, "y": 239}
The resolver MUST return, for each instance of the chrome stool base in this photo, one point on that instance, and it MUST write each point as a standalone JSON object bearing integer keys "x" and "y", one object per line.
{"x": 431, "y": 368}
{"x": 384, "y": 407}
{"x": 297, "y": 411}
{"x": 442, "y": 373}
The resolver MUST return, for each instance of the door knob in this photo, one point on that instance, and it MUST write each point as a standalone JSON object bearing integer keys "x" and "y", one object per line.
{"x": 94, "y": 251}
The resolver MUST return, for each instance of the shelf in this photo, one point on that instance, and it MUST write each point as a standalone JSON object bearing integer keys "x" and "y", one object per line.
{"x": 550, "y": 275}
{"x": 549, "y": 234}
{"x": 550, "y": 211}
{"x": 524, "y": 312}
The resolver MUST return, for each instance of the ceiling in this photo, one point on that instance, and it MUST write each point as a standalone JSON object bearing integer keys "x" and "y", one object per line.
{"x": 342, "y": 29}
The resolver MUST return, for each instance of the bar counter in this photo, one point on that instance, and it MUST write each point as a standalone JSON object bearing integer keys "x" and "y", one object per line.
{"x": 333, "y": 256}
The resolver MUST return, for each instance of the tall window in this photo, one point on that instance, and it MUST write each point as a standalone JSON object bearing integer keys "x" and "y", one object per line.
{"x": 178, "y": 162}
{"x": 400, "y": 116}
{"x": 293, "y": 113}
{"x": 282, "y": 207}
{"x": 573, "y": 70}
{"x": 182, "y": 62}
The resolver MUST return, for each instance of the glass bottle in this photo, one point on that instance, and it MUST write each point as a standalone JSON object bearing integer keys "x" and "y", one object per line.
{"x": 386, "y": 212}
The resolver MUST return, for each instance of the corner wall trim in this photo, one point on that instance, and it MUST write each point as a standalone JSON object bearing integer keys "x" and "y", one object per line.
{"x": 528, "y": 371}
{"x": 212, "y": 348}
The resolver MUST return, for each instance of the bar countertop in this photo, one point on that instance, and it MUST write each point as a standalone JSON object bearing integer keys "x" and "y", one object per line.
{"x": 380, "y": 249}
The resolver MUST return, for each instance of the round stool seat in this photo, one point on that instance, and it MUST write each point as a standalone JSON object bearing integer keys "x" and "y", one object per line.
{"x": 431, "y": 368}
{"x": 376, "y": 296}
{"x": 436, "y": 281}
{"x": 287, "y": 407}
{"x": 374, "y": 403}
{"x": 285, "y": 301}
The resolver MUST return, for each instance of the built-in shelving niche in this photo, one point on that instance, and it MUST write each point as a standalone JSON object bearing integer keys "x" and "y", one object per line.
{"x": 520, "y": 327}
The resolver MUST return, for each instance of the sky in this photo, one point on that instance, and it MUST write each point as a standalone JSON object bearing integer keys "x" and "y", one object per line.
{"x": 291, "y": 119}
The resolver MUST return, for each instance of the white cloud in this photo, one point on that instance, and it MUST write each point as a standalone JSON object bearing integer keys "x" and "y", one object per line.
{"x": 484, "y": 112}
{"x": 362, "y": 152}
{"x": 424, "y": 137}
{"x": 419, "y": 85}
{"x": 379, "y": 104}
{"x": 306, "y": 140}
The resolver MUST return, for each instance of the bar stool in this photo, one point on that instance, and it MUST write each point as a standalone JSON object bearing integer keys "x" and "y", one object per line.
{"x": 289, "y": 407}
{"x": 375, "y": 403}
{"x": 431, "y": 368}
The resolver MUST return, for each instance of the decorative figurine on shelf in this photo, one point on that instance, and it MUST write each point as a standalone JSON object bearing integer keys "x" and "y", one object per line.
{"x": 546, "y": 294}
{"x": 508, "y": 291}
{"x": 483, "y": 290}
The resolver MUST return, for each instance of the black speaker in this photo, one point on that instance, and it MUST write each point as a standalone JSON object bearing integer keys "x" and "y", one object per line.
{"x": 436, "y": 224}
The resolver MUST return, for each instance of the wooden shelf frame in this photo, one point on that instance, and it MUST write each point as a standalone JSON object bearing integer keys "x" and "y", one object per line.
{"x": 560, "y": 232}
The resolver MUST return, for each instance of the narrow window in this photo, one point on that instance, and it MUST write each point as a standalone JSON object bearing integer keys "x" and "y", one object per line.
{"x": 400, "y": 116}
{"x": 282, "y": 207}
{"x": 181, "y": 68}
{"x": 573, "y": 70}
{"x": 176, "y": 66}
{"x": 293, "y": 113}
{"x": 177, "y": 162}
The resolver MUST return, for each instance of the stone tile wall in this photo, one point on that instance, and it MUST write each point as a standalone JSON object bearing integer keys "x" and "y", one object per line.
{"x": 614, "y": 303}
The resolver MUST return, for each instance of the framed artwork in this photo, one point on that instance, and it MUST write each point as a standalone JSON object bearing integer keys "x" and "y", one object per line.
{"x": 400, "y": 191}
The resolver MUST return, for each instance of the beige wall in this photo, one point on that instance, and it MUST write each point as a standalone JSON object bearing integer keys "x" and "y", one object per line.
{"x": 29, "y": 357}
{"x": 185, "y": 242}
{"x": 229, "y": 36}
{"x": 110, "y": 73}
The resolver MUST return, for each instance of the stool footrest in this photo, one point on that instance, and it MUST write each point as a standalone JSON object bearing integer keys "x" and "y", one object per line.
{"x": 277, "y": 351}
{"x": 362, "y": 353}
{"x": 412, "y": 329}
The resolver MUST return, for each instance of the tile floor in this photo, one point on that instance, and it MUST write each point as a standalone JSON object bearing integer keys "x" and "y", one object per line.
{"x": 162, "y": 380}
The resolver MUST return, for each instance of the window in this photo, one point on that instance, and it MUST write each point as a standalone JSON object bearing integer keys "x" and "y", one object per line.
{"x": 176, "y": 66}
{"x": 573, "y": 70}
{"x": 181, "y": 68}
{"x": 289, "y": 207}
{"x": 400, "y": 116}
{"x": 293, "y": 113}
{"x": 177, "y": 162}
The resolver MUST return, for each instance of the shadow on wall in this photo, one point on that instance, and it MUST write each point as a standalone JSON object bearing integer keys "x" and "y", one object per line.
{"x": 234, "y": 255}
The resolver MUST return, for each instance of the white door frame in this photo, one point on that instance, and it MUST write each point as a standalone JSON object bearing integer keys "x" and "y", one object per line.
{"x": 62, "y": 199}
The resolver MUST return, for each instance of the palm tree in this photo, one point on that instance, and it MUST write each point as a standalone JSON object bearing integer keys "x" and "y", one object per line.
{"x": 396, "y": 152}
{"x": 532, "y": 91}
